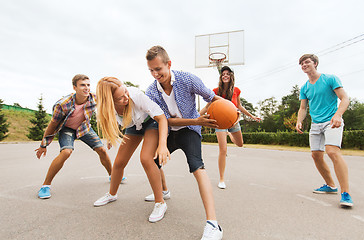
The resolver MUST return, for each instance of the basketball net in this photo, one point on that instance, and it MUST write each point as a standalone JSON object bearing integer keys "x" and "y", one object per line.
{"x": 217, "y": 59}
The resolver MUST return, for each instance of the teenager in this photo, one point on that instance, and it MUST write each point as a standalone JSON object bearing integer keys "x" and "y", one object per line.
{"x": 321, "y": 92}
{"x": 175, "y": 92}
{"x": 141, "y": 118}
{"x": 226, "y": 89}
{"x": 71, "y": 119}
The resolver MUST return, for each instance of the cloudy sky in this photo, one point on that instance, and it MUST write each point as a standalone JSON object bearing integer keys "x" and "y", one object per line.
{"x": 44, "y": 43}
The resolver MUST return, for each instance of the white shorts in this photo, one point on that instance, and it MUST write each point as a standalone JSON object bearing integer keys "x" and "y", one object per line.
{"x": 322, "y": 134}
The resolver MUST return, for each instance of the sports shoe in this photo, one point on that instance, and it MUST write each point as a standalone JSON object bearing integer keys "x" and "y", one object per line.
{"x": 158, "y": 212}
{"x": 150, "y": 198}
{"x": 211, "y": 232}
{"x": 222, "y": 185}
{"x": 123, "y": 180}
{"x": 44, "y": 192}
{"x": 346, "y": 200}
{"x": 325, "y": 189}
{"x": 105, "y": 200}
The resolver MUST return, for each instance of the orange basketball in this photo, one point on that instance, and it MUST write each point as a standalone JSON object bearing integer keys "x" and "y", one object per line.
{"x": 224, "y": 112}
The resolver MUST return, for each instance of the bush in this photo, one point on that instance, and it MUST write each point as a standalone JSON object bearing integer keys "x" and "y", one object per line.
{"x": 351, "y": 139}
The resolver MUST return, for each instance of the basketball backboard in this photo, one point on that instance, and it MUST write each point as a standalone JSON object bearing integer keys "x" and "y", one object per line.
{"x": 225, "y": 48}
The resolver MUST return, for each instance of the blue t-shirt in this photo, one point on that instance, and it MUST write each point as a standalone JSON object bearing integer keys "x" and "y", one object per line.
{"x": 321, "y": 97}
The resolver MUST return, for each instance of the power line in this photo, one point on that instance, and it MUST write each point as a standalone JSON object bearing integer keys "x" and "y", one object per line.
{"x": 320, "y": 53}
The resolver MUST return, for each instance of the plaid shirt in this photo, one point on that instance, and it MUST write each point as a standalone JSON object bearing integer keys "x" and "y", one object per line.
{"x": 185, "y": 88}
{"x": 63, "y": 108}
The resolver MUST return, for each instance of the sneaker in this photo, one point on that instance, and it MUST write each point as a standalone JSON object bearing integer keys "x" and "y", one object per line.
{"x": 212, "y": 232}
{"x": 325, "y": 189}
{"x": 158, "y": 212}
{"x": 44, "y": 192}
{"x": 222, "y": 185}
{"x": 346, "y": 200}
{"x": 150, "y": 198}
{"x": 105, "y": 200}
{"x": 123, "y": 180}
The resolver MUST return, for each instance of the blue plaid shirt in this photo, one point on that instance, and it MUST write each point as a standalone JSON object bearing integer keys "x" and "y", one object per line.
{"x": 185, "y": 88}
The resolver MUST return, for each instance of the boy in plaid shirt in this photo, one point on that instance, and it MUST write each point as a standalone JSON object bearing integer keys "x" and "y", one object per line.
{"x": 71, "y": 119}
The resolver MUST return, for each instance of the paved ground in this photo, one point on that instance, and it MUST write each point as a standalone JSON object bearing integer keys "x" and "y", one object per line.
{"x": 268, "y": 196}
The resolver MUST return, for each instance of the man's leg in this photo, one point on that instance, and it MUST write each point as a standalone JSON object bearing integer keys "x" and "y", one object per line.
{"x": 322, "y": 167}
{"x": 104, "y": 158}
{"x": 94, "y": 142}
{"x": 204, "y": 186}
{"x": 340, "y": 166}
{"x": 56, "y": 165}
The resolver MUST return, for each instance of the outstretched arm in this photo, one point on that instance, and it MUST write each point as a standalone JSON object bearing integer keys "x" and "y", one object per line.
{"x": 244, "y": 111}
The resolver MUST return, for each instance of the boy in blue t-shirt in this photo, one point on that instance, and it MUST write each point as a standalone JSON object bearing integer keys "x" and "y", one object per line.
{"x": 321, "y": 92}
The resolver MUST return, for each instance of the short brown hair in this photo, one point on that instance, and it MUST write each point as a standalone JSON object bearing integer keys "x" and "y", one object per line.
{"x": 77, "y": 78}
{"x": 313, "y": 57}
{"x": 155, "y": 51}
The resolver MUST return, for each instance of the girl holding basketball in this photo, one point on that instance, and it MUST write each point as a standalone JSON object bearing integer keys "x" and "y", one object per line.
{"x": 227, "y": 90}
{"x": 140, "y": 117}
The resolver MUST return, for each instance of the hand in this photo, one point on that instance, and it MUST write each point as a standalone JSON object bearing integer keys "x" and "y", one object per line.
{"x": 299, "y": 127}
{"x": 335, "y": 121}
{"x": 40, "y": 151}
{"x": 257, "y": 119}
{"x": 162, "y": 154}
{"x": 205, "y": 121}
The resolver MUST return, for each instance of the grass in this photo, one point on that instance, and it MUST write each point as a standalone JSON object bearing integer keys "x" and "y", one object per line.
{"x": 19, "y": 124}
{"x": 349, "y": 152}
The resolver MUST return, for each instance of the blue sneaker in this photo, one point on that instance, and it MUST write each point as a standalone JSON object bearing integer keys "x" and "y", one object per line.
{"x": 346, "y": 200}
{"x": 44, "y": 192}
{"x": 325, "y": 189}
{"x": 123, "y": 180}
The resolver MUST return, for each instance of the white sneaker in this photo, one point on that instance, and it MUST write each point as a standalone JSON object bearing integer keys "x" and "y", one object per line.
{"x": 105, "y": 200}
{"x": 158, "y": 212}
{"x": 212, "y": 232}
{"x": 150, "y": 198}
{"x": 222, "y": 185}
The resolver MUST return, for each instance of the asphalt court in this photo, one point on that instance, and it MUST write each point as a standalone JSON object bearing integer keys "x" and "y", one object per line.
{"x": 268, "y": 196}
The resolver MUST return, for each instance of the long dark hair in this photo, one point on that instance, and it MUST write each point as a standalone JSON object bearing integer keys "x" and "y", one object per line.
{"x": 230, "y": 88}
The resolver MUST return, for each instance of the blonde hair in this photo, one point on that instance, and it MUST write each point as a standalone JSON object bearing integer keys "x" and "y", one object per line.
{"x": 229, "y": 91}
{"x": 106, "y": 118}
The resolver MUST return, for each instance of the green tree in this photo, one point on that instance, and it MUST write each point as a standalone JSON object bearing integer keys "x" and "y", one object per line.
{"x": 354, "y": 115}
{"x": 39, "y": 122}
{"x": 267, "y": 109}
{"x": 4, "y": 126}
{"x": 130, "y": 84}
{"x": 248, "y": 124}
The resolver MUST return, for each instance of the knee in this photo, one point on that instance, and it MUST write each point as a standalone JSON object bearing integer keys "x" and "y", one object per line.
{"x": 145, "y": 161}
{"x": 101, "y": 151}
{"x": 240, "y": 144}
{"x": 66, "y": 153}
{"x": 333, "y": 152}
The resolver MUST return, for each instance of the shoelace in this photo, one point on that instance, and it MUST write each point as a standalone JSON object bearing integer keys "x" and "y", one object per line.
{"x": 156, "y": 208}
{"x": 208, "y": 230}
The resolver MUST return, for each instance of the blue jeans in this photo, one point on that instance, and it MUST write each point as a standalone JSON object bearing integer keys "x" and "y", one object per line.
{"x": 233, "y": 129}
{"x": 67, "y": 137}
{"x": 149, "y": 124}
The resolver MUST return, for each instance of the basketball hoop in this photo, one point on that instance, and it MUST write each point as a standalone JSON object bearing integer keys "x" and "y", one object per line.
{"x": 217, "y": 59}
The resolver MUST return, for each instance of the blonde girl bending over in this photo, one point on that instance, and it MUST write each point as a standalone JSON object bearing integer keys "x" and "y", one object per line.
{"x": 140, "y": 117}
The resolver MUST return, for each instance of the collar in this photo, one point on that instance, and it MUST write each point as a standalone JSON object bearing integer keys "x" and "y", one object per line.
{"x": 173, "y": 79}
